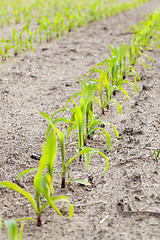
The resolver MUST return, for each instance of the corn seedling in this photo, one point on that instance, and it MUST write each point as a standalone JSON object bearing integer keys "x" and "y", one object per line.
{"x": 47, "y": 26}
{"x": 42, "y": 183}
{"x": 61, "y": 137}
{"x": 59, "y": 25}
{"x": 103, "y": 82}
{"x": 4, "y": 49}
{"x": 96, "y": 129}
{"x": 82, "y": 149}
{"x": 16, "y": 42}
{"x": 80, "y": 114}
{"x": 85, "y": 151}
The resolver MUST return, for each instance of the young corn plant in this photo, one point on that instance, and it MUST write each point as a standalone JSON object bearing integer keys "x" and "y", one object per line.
{"x": 5, "y": 49}
{"x": 47, "y": 26}
{"x": 59, "y": 25}
{"x": 43, "y": 183}
{"x": 82, "y": 150}
{"x": 113, "y": 74}
{"x": 96, "y": 127}
{"x": 136, "y": 51}
{"x": 16, "y": 42}
{"x": 85, "y": 122}
{"x": 104, "y": 83}
{"x": 85, "y": 151}
{"x": 80, "y": 114}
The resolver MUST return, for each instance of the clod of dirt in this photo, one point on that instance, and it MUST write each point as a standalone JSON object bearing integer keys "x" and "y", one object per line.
{"x": 34, "y": 76}
{"x": 145, "y": 88}
{"x": 68, "y": 84}
{"x": 36, "y": 156}
{"x": 44, "y": 49}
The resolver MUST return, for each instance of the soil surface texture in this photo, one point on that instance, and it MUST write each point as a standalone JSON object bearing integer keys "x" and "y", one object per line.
{"x": 125, "y": 203}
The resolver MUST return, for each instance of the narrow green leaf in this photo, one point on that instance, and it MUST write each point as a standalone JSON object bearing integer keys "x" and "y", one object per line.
{"x": 26, "y": 172}
{"x": 42, "y": 164}
{"x": 26, "y": 218}
{"x": 115, "y": 130}
{"x": 16, "y": 188}
{"x": 87, "y": 160}
{"x": 46, "y": 192}
{"x": 125, "y": 93}
{"x": 119, "y": 108}
{"x": 51, "y": 151}
{"x": 12, "y": 229}
{"x": 21, "y": 231}
{"x": 108, "y": 138}
{"x": 64, "y": 199}
{"x": 79, "y": 181}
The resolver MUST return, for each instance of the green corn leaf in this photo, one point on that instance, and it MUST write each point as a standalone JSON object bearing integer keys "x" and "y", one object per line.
{"x": 125, "y": 93}
{"x": 51, "y": 151}
{"x": 81, "y": 82}
{"x": 21, "y": 231}
{"x": 96, "y": 151}
{"x": 73, "y": 96}
{"x": 71, "y": 124}
{"x": 79, "y": 117}
{"x": 107, "y": 165}
{"x": 42, "y": 164}
{"x": 62, "y": 119}
{"x": 87, "y": 159}
{"x": 83, "y": 151}
{"x": 115, "y": 130}
{"x": 16, "y": 188}
{"x": 60, "y": 199}
{"x": 62, "y": 145}
{"x": 108, "y": 138}
{"x": 101, "y": 82}
{"x": 46, "y": 191}
{"x": 46, "y": 116}
{"x": 119, "y": 108}
{"x": 144, "y": 64}
{"x": 26, "y": 172}
{"x": 88, "y": 92}
{"x": 64, "y": 199}
{"x": 12, "y": 229}
{"x": 58, "y": 111}
{"x": 26, "y": 218}
{"x": 97, "y": 100}
{"x": 80, "y": 181}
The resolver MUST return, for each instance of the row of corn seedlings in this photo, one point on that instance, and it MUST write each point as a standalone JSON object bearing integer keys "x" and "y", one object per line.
{"x": 19, "y": 42}
{"x": 67, "y": 15}
{"x": 21, "y": 11}
{"x": 115, "y": 71}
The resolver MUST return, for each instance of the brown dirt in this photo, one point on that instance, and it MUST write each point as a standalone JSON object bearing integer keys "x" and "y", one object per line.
{"x": 125, "y": 202}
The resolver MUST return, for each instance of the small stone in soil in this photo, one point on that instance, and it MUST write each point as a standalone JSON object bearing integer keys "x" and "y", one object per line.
{"x": 68, "y": 84}
{"x": 145, "y": 88}
{"x": 36, "y": 156}
{"x": 44, "y": 49}
{"x": 34, "y": 76}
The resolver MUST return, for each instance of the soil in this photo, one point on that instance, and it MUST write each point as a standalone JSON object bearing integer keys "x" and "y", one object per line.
{"x": 125, "y": 202}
